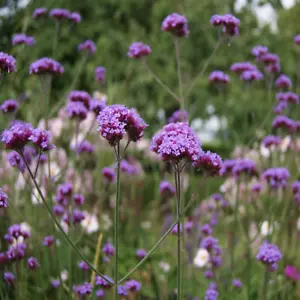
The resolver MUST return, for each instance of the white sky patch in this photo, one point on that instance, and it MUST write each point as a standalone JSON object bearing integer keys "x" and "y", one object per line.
{"x": 288, "y": 3}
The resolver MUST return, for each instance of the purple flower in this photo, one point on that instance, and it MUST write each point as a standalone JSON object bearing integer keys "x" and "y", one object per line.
{"x": 129, "y": 168}
{"x": 166, "y": 189}
{"x": 288, "y": 97}
{"x": 291, "y": 271}
{"x": 9, "y": 238}
{"x": 271, "y": 140}
{"x": 65, "y": 189}
{"x": 9, "y": 106}
{"x": 32, "y": 263}
{"x": 48, "y": 240}
{"x": 58, "y": 210}
{"x": 109, "y": 174}
{"x": 3, "y": 199}
{"x": 97, "y": 105}
{"x": 256, "y": 188}
{"x": 209, "y": 274}
{"x": 46, "y": 65}
{"x": 16, "y": 230}
{"x": 21, "y": 39}
{"x": 259, "y": 50}
{"x": 296, "y": 187}
{"x": 250, "y": 76}
{"x": 218, "y": 77}
{"x": 55, "y": 283}
{"x": 103, "y": 283}
{"x": 85, "y": 147}
{"x": 297, "y": 39}
{"x": 41, "y": 139}
{"x": 133, "y": 285}
{"x": 269, "y": 59}
{"x": 237, "y": 283}
{"x": 269, "y": 254}
{"x": 78, "y": 199}
{"x": 39, "y": 12}
{"x": 176, "y": 141}
{"x": 3, "y": 258}
{"x": 179, "y": 116}
{"x": 244, "y": 166}
{"x": 75, "y": 17}
{"x": 16, "y": 252}
{"x": 141, "y": 253}
{"x": 7, "y": 63}
{"x": 83, "y": 266}
{"x": 175, "y": 24}
{"x": 17, "y": 136}
{"x": 80, "y": 96}
{"x": 108, "y": 249}
{"x": 138, "y": 50}
{"x": 88, "y": 46}
{"x": 78, "y": 216}
{"x": 59, "y": 14}
{"x": 9, "y": 278}
{"x": 100, "y": 294}
{"x": 211, "y": 294}
{"x": 188, "y": 226}
{"x": 122, "y": 290}
{"x": 273, "y": 68}
{"x": 277, "y": 177}
{"x": 229, "y": 23}
{"x": 77, "y": 110}
{"x": 209, "y": 243}
{"x": 241, "y": 67}
{"x": 83, "y": 289}
{"x": 210, "y": 162}
{"x": 115, "y": 120}
{"x": 100, "y": 74}
{"x": 283, "y": 122}
{"x": 206, "y": 229}
{"x": 283, "y": 82}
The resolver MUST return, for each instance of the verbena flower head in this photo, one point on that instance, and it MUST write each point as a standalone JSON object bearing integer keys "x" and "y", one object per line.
{"x": 228, "y": 165}
{"x": 3, "y": 258}
{"x": 48, "y": 240}
{"x": 46, "y": 65}
{"x": 83, "y": 266}
{"x": 85, "y": 147}
{"x": 88, "y": 46}
{"x": 175, "y": 142}
{"x": 288, "y": 97}
{"x": 271, "y": 140}
{"x": 241, "y": 67}
{"x": 58, "y": 210}
{"x": 218, "y": 77}
{"x": 228, "y": 22}
{"x": 9, "y": 106}
{"x": 7, "y": 63}
{"x": 206, "y": 229}
{"x": 273, "y": 68}
{"x": 21, "y": 39}
{"x": 16, "y": 231}
{"x": 209, "y": 243}
{"x": 39, "y": 12}
{"x": 3, "y": 199}
{"x": 283, "y": 122}
{"x": 16, "y": 252}
{"x": 244, "y": 167}
{"x": 78, "y": 199}
{"x": 76, "y": 110}
{"x": 250, "y": 76}
{"x": 280, "y": 107}
{"x": 283, "y": 82}
{"x": 179, "y": 116}
{"x": 59, "y": 14}
{"x": 296, "y": 187}
{"x": 209, "y": 162}
{"x": 55, "y": 283}
{"x": 108, "y": 249}
{"x": 122, "y": 290}
{"x": 141, "y": 253}
{"x": 100, "y": 74}
{"x": 75, "y": 17}
{"x": 259, "y": 50}
{"x": 129, "y": 168}
{"x": 237, "y": 283}
{"x": 32, "y": 263}
{"x": 211, "y": 294}
{"x": 269, "y": 254}
{"x": 138, "y": 50}
{"x": 103, "y": 283}
{"x": 277, "y": 177}
{"x": 115, "y": 120}
{"x": 80, "y": 96}
{"x": 9, "y": 277}
{"x": 109, "y": 174}
{"x": 175, "y": 24}
{"x": 83, "y": 289}
{"x": 97, "y": 105}
{"x": 166, "y": 189}
{"x": 133, "y": 285}
{"x": 269, "y": 58}
{"x": 291, "y": 271}
{"x": 297, "y": 39}
{"x": 100, "y": 294}
{"x": 41, "y": 139}
{"x": 17, "y": 136}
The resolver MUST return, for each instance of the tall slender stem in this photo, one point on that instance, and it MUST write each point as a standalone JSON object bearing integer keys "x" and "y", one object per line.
{"x": 235, "y": 224}
{"x": 264, "y": 291}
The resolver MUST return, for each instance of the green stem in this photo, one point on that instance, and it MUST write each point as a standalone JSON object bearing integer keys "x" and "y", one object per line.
{"x": 264, "y": 292}
{"x": 235, "y": 224}
{"x": 56, "y": 37}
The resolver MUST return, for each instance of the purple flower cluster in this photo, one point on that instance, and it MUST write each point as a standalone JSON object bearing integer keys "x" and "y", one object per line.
{"x": 288, "y": 97}
{"x": 211, "y": 293}
{"x": 175, "y": 24}
{"x": 46, "y": 65}
{"x": 270, "y": 255}
{"x": 277, "y": 177}
{"x": 176, "y": 141}
{"x": 140, "y": 253}
{"x": 3, "y": 199}
{"x": 77, "y": 110}
{"x": 218, "y": 77}
{"x": 41, "y": 139}
{"x": 228, "y": 165}
{"x": 269, "y": 59}
{"x": 138, "y": 50}
{"x": 237, "y": 283}
{"x": 108, "y": 249}
{"x": 166, "y": 189}
{"x": 16, "y": 161}
{"x": 85, "y": 147}
{"x": 271, "y": 140}
{"x": 244, "y": 167}
{"x": 280, "y": 107}
{"x": 115, "y": 120}
{"x": 83, "y": 266}
{"x": 206, "y": 230}
{"x": 97, "y": 105}
{"x": 80, "y": 96}
{"x": 59, "y": 14}
{"x": 100, "y": 74}
{"x": 7, "y": 63}
{"x": 291, "y": 271}
{"x": 48, "y": 241}
{"x": 284, "y": 123}
{"x": 129, "y": 168}
{"x": 259, "y": 50}
{"x": 9, "y": 278}
{"x": 103, "y": 283}
{"x": 179, "y": 116}
{"x": 296, "y": 191}
{"x": 109, "y": 174}
{"x": 241, "y": 67}
{"x": 83, "y": 289}
{"x": 133, "y": 285}
{"x": 250, "y": 76}
{"x": 32, "y": 263}
{"x": 88, "y": 46}
{"x": 23, "y": 39}
{"x": 229, "y": 23}
{"x": 297, "y": 39}
{"x": 9, "y": 106}
{"x": 39, "y": 12}
{"x": 209, "y": 162}
{"x": 283, "y": 82}
{"x": 75, "y": 17}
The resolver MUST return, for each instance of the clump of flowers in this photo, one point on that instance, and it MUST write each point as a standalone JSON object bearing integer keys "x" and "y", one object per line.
{"x": 75, "y": 17}
{"x": 228, "y": 22}
{"x": 77, "y": 110}
{"x": 138, "y": 50}
{"x": 7, "y": 63}
{"x": 283, "y": 82}
{"x": 3, "y": 199}
{"x": 46, "y": 65}
{"x": 175, "y": 24}
{"x": 9, "y": 106}
{"x": 218, "y": 77}
{"x": 39, "y": 12}
{"x": 166, "y": 189}
{"x": 271, "y": 140}
{"x": 270, "y": 255}
{"x": 97, "y": 105}
{"x": 23, "y": 39}
{"x": 109, "y": 174}
{"x": 80, "y": 96}
{"x": 209, "y": 162}
{"x": 59, "y": 14}
{"x": 244, "y": 167}
{"x": 241, "y": 67}
{"x": 250, "y": 76}
{"x": 288, "y": 97}
{"x": 259, "y": 50}
{"x": 284, "y": 123}
{"x": 87, "y": 46}
{"x": 277, "y": 177}
{"x": 100, "y": 74}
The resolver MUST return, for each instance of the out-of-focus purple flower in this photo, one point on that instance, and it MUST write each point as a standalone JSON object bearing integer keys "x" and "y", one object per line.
{"x": 9, "y": 277}
{"x": 269, "y": 254}
{"x": 101, "y": 282}
{"x": 129, "y": 168}
{"x": 175, "y": 24}
{"x": 7, "y": 63}
{"x": 58, "y": 210}
{"x": 41, "y": 139}
{"x": 218, "y": 77}
{"x": 216, "y": 261}
{"x": 32, "y": 263}
{"x": 166, "y": 189}
{"x": 273, "y": 68}
{"x": 250, "y": 76}
{"x": 59, "y": 14}
{"x": 75, "y": 17}
{"x": 48, "y": 241}
{"x": 241, "y": 67}
{"x": 210, "y": 162}
{"x": 80, "y": 96}
{"x": 209, "y": 274}
{"x": 3, "y": 199}
{"x": 244, "y": 167}
{"x": 280, "y": 107}
{"x": 108, "y": 249}
{"x": 283, "y": 122}
{"x": 277, "y": 177}
{"x": 3, "y": 258}
{"x": 271, "y": 140}
{"x": 122, "y": 290}
{"x": 55, "y": 283}
{"x": 115, "y": 120}
{"x": 138, "y": 50}
{"x": 97, "y": 105}
{"x": 100, "y": 294}
{"x": 9, "y": 106}
{"x": 188, "y": 226}
{"x": 175, "y": 229}
{"x": 283, "y": 82}
{"x": 217, "y": 197}
{"x": 88, "y": 46}
{"x": 16, "y": 230}
{"x": 237, "y": 283}
{"x": 228, "y": 165}
{"x": 229, "y": 23}
{"x": 83, "y": 266}
{"x": 78, "y": 199}
{"x": 206, "y": 229}
{"x": 46, "y": 65}
{"x": 269, "y": 58}
{"x": 9, "y": 238}
{"x": 83, "y": 289}
{"x": 65, "y": 189}
{"x": 141, "y": 253}
{"x": 297, "y": 39}
{"x": 39, "y": 12}
{"x": 78, "y": 216}
{"x": 179, "y": 116}
{"x": 85, "y": 147}
{"x": 100, "y": 74}
{"x": 109, "y": 174}
{"x": 288, "y": 97}
{"x": 256, "y": 188}
{"x": 176, "y": 141}
{"x": 133, "y": 285}
{"x": 259, "y": 50}
{"x": 296, "y": 187}
{"x": 211, "y": 294}
{"x": 291, "y": 271}
{"x": 209, "y": 243}
{"x": 16, "y": 252}
{"x": 77, "y": 110}
{"x": 22, "y": 39}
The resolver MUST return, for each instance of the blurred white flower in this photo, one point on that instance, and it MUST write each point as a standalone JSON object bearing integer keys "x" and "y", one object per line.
{"x": 106, "y": 222}
{"x": 264, "y": 151}
{"x": 35, "y": 196}
{"x": 25, "y": 227}
{"x": 146, "y": 225}
{"x": 266, "y": 228}
{"x": 20, "y": 183}
{"x": 64, "y": 275}
{"x": 80, "y": 138}
{"x": 164, "y": 266}
{"x": 202, "y": 258}
{"x": 64, "y": 226}
{"x": 298, "y": 224}
{"x": 90, "y": 223}
{"x": 285, "y": 143}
